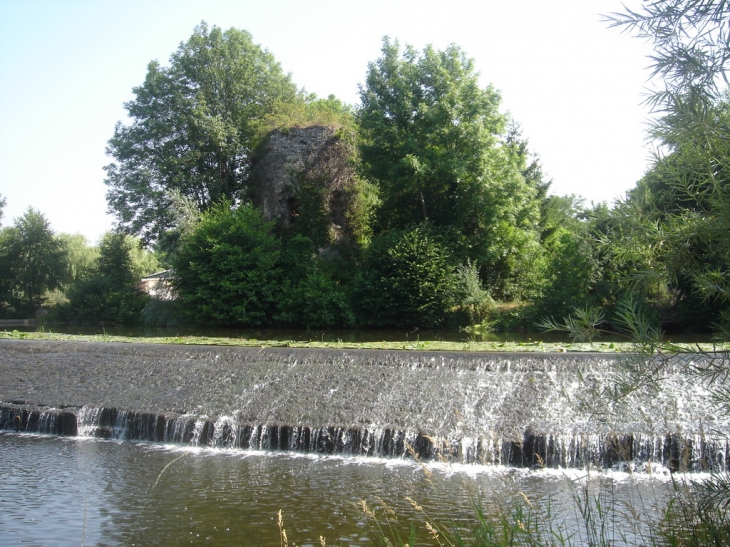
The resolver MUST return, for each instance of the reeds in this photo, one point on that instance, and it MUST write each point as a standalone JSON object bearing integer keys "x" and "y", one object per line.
{"x": 599, "y": 519}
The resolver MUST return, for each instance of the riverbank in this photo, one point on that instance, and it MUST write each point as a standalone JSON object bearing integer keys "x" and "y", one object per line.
{"x": 468, "y": 344}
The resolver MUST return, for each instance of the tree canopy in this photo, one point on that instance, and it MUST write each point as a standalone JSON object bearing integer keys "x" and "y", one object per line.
{"x": 33, "y": 260}
{"x": 194, "y": 126}
{"x": 434, "y": 142}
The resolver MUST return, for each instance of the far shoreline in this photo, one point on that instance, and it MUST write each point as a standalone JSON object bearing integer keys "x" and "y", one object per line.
{"x": 467, "y": 346}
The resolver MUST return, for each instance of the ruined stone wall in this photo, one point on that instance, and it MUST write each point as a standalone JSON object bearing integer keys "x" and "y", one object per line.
{"x": 302, "y": 177}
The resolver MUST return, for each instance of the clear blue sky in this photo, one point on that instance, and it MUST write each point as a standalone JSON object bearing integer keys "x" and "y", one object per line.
{"x": 66, "y": 68}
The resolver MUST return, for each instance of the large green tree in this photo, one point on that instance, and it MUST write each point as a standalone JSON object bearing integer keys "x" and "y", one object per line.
{"x": 194, "y": 126}
{"x": 434, "y": 142}
{"x": 3, "y": 203}
{"x": 33, "y": 260}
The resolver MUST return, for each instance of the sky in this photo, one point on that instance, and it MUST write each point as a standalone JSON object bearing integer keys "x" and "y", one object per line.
{"x": 67, "y": 67}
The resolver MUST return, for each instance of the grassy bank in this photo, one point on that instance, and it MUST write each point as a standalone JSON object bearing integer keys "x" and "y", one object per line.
{"x": 414, "y": 345}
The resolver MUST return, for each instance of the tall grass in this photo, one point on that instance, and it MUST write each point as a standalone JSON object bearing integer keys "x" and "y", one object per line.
{"x": 598, "y": 520}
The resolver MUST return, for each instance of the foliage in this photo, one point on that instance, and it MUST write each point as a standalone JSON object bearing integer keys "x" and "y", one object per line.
{"x": 143, "y": 262}
{"x": 315, "y": 302}
{"x": 474, "y": 304}
{"x": 528, "y": 162}
{"x": 33, "y": 261}
{"x": 309, "y": 297}
{"x": 115, "y": 261}
{"x": 80, "y": 257}
{"x": 3, "y": 203}
{"x": 96, "y": 300}
{"x": 226, "y": 269}
{"x": 309, "y": 111}
{"x": 691, "y": 41}
{"x": 409, "y": 278}
{"x": 160, "y": 313}
{"x": 572, "y": 270}
{"x": 676, "y": 220}
{"x": 6, "y": 276}
{"x": 433, "y": 143}
{"x": 582, "y": 324}
{"x": 194, "y": 126}
{"x": 109, "y": 293}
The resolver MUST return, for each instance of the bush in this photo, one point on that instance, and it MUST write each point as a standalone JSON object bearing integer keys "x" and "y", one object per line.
{"x": 474, "y": 304}
{"x": 226, "y": 268}
{"x": 408, "y": 279}
{"x": 97, "y": 299}
{"x": 572, "y": 273}
{"x": 309, "y": 297}
{"x": 160, "y": 313}
{"x": 315, "y": 302}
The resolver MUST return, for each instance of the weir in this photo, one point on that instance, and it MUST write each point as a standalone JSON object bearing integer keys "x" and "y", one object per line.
{"x": 520, "y": 409}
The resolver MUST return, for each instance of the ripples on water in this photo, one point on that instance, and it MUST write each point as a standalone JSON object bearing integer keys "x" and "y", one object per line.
{"x": 70, "y": 491}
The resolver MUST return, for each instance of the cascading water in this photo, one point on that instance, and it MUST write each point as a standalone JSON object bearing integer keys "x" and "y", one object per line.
{"x": 513, "y": 409}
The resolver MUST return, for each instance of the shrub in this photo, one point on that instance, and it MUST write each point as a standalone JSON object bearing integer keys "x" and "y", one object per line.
{"x": 572, "y": 273}
{"x": 408, "y": 279}
{"x": 226, "y": 268}
{"x": 97, "y": 299}
{"x": 309, "y": 297}
{"x": 474, "y": 304}
{"x": 160, "y": 313}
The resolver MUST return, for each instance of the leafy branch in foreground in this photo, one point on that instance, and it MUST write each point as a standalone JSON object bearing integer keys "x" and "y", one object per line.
{"x": 581, "y": 325}
{"x": 691, "y": 41}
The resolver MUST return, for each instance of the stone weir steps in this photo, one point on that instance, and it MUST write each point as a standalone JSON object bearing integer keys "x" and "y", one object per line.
{"x": 495, "y": 409}
{"x": 674, "y": 451}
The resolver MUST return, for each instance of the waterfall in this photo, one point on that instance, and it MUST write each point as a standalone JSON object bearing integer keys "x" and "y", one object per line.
{"x": 695, "y": 452}
{"x": 527, "y": 410}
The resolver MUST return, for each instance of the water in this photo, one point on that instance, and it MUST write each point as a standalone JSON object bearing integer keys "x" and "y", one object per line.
{"x": 80, "y": 491}
{"x": 509, "y": 409}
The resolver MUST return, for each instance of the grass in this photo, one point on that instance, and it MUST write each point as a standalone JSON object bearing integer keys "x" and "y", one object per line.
{"x": 468, "y": 345}
{"x": 517, "y": 521}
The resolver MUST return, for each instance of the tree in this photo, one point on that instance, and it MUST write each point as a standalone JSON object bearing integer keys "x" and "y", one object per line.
{"x": 81, "y": 257}
{"x": 682, "y": 205}
{"x": 109, "y": 292}
{"x": 34, "y": 260}
{"x": 194, "y": 126}
{"x": 3, "y": 203}
{"x": 434, "y": 143}
{"x": 226, "y": 269}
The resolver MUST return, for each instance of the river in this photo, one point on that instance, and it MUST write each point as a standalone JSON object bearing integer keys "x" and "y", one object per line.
{"x": 58, "y": 491}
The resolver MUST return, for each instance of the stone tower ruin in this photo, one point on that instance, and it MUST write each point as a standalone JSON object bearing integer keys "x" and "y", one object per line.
{"x": 303, "y": 178}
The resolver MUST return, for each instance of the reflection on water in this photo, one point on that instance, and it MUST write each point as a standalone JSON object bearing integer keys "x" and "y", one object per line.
{"x": 63, "y": 491}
